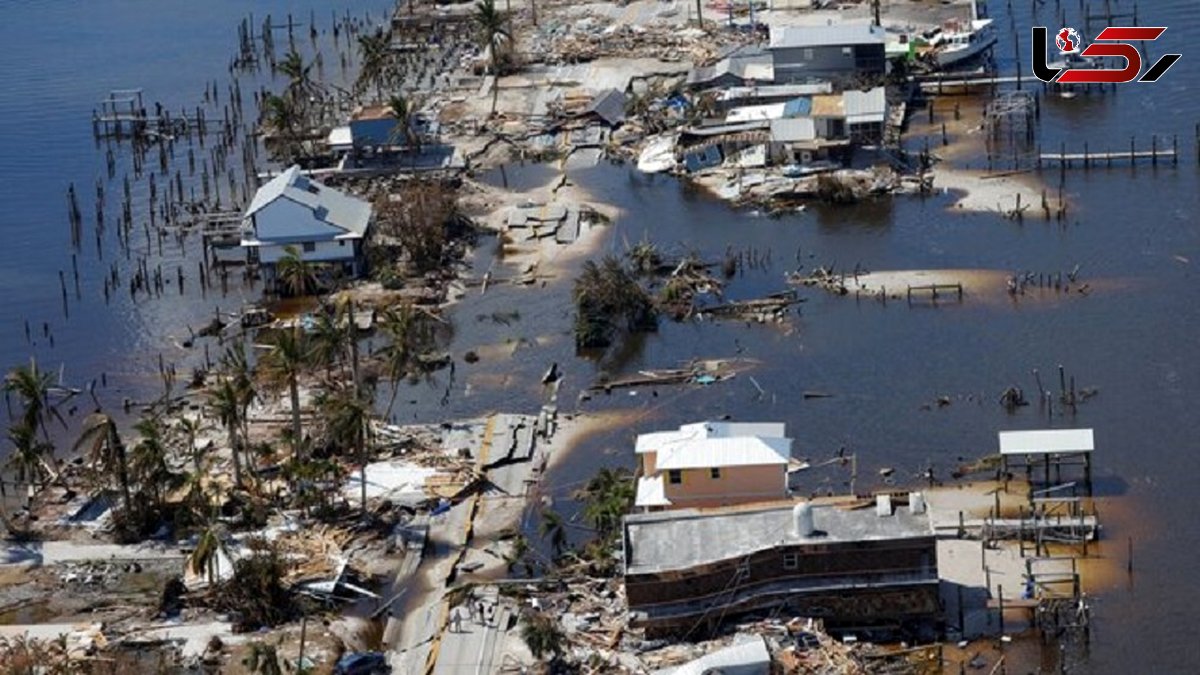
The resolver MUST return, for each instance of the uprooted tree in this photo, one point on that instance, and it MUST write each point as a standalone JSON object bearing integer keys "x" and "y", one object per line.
{"x": 422, "y": 223}
{"x": 609, "y": 301}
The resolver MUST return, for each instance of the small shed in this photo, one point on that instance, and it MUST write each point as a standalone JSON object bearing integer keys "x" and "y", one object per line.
{"x": 1052, "y": 449}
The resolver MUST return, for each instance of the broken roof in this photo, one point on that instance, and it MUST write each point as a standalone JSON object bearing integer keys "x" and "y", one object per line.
{"x": 1046, "y": 441}
{"x": 331, "y": 206}
{"x": 787, "y": 37}
{"x": 608, "y": 105}
{"x": 748, "y": 655}
{"x": 685, "y": 538}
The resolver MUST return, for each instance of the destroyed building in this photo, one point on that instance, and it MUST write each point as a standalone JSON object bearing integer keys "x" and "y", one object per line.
{"x": 837, "y": 52}
{"x": 712, "y": 464}
{"x": 688, "y": 570}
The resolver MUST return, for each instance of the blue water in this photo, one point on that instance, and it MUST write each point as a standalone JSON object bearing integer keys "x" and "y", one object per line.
{"x": 60, "y": 59}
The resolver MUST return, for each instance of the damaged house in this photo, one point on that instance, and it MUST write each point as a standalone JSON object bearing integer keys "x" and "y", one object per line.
{"x": 851, "y": 567}
{"x": 838, "y": 52}
{"x": 322, "y": 224}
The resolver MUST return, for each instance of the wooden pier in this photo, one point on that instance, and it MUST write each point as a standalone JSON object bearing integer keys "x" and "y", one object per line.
{"x": 1087, "y": 158}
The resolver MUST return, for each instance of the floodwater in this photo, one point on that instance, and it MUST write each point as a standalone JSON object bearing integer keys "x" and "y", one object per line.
{"x": 884, "y": 366}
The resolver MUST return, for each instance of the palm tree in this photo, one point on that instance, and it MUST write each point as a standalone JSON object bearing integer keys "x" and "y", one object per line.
{"x": 284, "y": 118}
{"x": 493, "y": 34}
{"x": 206, "y": 556}
{"x": 226, "y": 403}
{"x": 300, "y": 86}
{"x": 375, "y": 55}
{"x": 287, "y": 359}
{"x": 552, "y": 526}
{"x": 406, "y": 124}
{"x": 541, "y": 632}
{"x": 296, "y": 276}
{"x": 32, "y": 386}
{"x": 28, "y": 458}
{"x": 349, "y": 418}
{"x": 105, "y": 450}
{"x": 148, "y": 462}
{"x": 406, "y": 334}
{"x": 609, "y": 495}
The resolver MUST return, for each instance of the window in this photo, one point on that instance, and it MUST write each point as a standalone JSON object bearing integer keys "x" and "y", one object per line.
{"x": 808, "y": 54}
{"x": 715, "y": 472}
{"x": 341, "y": 242}
{"x": 847, "y": 51}
{"x": 791, "y": 561}
{"x": 675, "y": 476}
{"x": 310, "y": 246}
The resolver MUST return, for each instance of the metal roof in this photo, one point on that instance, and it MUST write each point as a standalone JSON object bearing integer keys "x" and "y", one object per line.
{"x": 792, "y": 36}
{"x": 701, "y": 430}
{"x": 750, "y": 113}
{"x": 793, "y": 130}
{"x": 715, "y": 452}
{"x": 685, "y": 538}
{"x": 1046, "y": 441}
{"x": 329, "y": 205}
{"x": 865, "y": 106}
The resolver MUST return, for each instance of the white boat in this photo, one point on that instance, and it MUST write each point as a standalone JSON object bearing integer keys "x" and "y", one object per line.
{"x": 957, "y": 44}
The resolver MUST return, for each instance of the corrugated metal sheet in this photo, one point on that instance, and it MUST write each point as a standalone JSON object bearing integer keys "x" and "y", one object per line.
{"x": 1046, "y": 441}
{"x": 750, "y": 113}
{"x": 865, "y": 106}
{"x": 329, "y": 205}
{"x": 793, "y": 130}
{"x": 716, "y": 452}
{"x": 787, "y": 37}
{"x": 748, "y": 655}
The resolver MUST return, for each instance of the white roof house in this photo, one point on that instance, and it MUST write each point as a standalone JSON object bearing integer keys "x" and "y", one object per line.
{"x": 1046, "y": 441}
{"x": 709, "y": 445}
{"x": 324, "y": 224}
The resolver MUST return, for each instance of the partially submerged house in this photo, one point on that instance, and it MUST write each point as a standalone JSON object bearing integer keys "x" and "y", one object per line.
{"x": 835, "y": 52}
{"x": 691, "y": 569}
{"x": 323, "y": 224}
{"x": 712, "y": 464}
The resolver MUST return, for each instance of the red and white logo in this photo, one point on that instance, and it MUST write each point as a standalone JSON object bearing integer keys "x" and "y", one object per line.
{"x": 1067, "y": 40}
{"x": 1114, "y": 41}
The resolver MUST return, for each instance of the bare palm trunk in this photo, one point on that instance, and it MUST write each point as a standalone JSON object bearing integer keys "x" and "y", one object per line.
{"x": 234, "y": 444}
{"x": 699, "y": 15}
{"x": 294, "y": 392}
{"x": 362, "y": 474}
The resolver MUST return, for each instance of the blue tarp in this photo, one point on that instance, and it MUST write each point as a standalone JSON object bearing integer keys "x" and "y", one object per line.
{"x": 798, "y": 107}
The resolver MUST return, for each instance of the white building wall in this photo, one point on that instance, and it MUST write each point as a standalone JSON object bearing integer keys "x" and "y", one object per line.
{"x": 323, "y": 251}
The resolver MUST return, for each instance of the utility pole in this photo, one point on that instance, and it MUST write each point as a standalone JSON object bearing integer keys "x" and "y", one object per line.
{"x": 875, "y": 9}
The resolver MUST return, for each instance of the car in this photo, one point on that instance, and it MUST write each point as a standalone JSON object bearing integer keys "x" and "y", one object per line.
{"x": 362, "y": 663}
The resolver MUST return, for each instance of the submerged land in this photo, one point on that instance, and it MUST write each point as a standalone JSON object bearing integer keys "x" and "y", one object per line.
{"x": 331, "y": 480}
